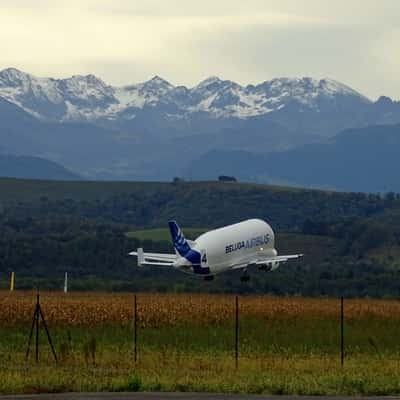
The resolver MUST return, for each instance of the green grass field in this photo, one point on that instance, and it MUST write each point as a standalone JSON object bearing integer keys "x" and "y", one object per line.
{"x": 297, "y": 358}
{"x": 161, "y": 234}
{"x": 294, "y": 348}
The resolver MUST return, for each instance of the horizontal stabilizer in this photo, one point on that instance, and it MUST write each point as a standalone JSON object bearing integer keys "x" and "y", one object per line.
{"x": 156, "y": 259}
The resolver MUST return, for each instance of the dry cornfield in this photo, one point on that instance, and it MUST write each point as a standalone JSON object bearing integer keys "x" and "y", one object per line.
{"x": 90, "y": 309}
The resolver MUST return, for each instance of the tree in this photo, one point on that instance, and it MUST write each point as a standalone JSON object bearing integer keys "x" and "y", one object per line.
{"x": 225, "y": 178}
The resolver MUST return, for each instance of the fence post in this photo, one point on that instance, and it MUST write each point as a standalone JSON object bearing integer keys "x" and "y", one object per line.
{"x": 342, "y": 331}
{"x": 37, "y": 328}
{"x": 66, "y": 282}
{"x": 135, "y": 328}
{"x": 236, "y": 332}
{"x": 12, "y": 281}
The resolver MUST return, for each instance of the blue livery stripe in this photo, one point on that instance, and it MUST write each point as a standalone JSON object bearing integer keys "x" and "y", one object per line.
{"x": 184, "y": 250}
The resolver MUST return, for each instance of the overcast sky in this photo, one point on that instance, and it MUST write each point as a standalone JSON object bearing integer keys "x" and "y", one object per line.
{"x": 184, "y": 41}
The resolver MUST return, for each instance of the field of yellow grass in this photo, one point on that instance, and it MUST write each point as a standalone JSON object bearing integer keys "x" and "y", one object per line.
{"x": 287, "y": 345}
{"x": 92, "y": 309}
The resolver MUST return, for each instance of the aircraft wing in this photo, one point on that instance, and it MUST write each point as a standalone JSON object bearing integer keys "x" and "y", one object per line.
{"x": 266, "y": 261}
{"x": 280, "y": 259}
{"x": 155, "y": 259}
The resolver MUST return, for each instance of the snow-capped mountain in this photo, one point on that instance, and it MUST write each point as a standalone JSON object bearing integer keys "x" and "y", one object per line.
{"x": 87, "y": 98}
{"x": 136, "y": 131}
{"x": 76, "y": 98}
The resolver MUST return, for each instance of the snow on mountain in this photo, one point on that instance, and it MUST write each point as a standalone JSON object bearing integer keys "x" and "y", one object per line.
{"x": 56, "y": 99}
{"x": 224, "y": 98}
{"x": 140, "y": 95}
{"x": 88, "y": 98}
{"x": 305, "y": 91}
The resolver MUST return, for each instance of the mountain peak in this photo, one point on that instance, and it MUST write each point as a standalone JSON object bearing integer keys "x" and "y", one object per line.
{"x": 13, "y": 75}
{"x": 12, "y": 71}
{"x": 158, "y": 79}
{"x": 209, "y": 81}
{"x": 335, "y": 86}
{"x": 90, "y": 79}
{"x": 384, "y": 100}
{"x": 156, "y": 84}
{"x": 306, "y": 89}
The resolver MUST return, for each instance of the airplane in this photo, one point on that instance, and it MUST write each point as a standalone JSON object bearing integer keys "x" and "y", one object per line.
{"x": 239, "y": 246}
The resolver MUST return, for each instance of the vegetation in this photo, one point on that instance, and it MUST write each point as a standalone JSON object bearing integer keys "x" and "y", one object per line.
{"x": 186, "y": 343}
{"x": 351, "y": 240}
{"x": 162, "y": 234}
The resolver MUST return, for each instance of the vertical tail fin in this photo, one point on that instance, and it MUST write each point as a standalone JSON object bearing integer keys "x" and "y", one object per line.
{"x": 140, "y": 257}
{"x": 180, "y": 243}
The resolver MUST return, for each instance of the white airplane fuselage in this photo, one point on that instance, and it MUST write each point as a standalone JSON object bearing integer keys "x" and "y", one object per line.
{"x": 231, "y": 245}
{"x": 238, "y": 246}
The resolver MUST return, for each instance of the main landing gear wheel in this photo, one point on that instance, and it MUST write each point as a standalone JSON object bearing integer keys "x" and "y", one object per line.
{"x": 209, "y": 278}
{"x": 245, "y": 277}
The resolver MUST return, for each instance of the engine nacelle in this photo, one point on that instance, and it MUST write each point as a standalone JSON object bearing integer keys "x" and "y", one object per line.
{"x": 271, "y": 266}
{"x": 275, "y": 265}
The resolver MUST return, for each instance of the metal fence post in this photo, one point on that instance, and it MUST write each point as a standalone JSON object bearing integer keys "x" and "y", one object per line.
{"x": 135, "y": 329}
{"x": 236, "y": 332}
{"x": 37, "y": 328}
{"x": 342, "y": 331}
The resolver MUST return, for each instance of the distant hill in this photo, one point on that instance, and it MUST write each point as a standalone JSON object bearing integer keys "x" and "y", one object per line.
{"x": 192, "y": 204}
{"x": 82, "y": 147}
{"x": 365, "y": 159}
{"x": 351, "y": 241}
{"x": 33, "y": 168}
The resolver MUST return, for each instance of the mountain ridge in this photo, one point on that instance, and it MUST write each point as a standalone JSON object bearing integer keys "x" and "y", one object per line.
{"x": 86, "y": 97}
{"x": 12, "y": 166}
{"x": 155, "y": 130}
{"x": 364, "y": 160}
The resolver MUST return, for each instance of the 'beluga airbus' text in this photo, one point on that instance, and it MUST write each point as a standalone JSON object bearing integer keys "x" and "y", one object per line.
{"x": 239, "y": 246}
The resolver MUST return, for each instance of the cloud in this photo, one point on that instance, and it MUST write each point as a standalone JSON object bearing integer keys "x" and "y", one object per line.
{"x": 184, "y": 41}
{"x": 385, "y": 61}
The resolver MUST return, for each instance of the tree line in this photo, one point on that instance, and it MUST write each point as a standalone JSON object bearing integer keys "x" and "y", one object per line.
{"x": 41, "y": 239}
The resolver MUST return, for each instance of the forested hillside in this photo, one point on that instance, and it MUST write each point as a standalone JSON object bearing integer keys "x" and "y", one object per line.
{"x": 351, "y": 241}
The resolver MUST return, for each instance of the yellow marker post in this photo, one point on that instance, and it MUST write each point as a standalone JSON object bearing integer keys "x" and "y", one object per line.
{"x": 12, "y": 281}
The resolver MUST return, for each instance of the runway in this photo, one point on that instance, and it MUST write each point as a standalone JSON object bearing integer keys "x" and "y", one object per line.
{"x": 177, "y": 396}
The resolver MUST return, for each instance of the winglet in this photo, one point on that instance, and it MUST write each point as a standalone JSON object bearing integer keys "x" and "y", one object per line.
{"x": 181, "y": 245}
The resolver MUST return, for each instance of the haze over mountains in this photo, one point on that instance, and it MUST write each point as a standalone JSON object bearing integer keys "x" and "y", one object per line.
{"x": 33, "y": 168}
{"x": 155, "y": 130}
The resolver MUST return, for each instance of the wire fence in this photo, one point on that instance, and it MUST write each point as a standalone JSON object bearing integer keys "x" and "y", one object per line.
{"x": 348, "y": 328}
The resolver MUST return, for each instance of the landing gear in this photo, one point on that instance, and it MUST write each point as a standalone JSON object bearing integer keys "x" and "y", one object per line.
{"x": 209, "y": 278}
{"x": 245, "y": 277}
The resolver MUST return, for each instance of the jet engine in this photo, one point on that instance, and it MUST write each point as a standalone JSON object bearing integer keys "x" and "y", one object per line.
{"x": 267, "y": 267}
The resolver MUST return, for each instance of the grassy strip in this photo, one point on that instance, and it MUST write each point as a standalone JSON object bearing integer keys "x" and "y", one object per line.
{"x": 173, "y": 371}
{"x": 292, "y": 357}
